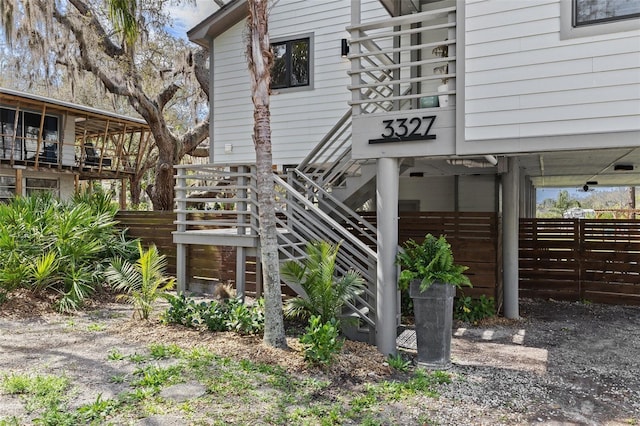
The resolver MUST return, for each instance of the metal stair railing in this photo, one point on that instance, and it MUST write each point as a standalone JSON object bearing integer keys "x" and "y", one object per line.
{"x": 301, "y": 221}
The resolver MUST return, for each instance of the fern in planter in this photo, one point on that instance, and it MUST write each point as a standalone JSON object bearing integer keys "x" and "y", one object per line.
{"x": 429, "y": 262}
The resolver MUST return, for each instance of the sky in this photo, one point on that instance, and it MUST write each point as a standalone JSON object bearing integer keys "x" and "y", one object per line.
{"x": 187, "y": 16}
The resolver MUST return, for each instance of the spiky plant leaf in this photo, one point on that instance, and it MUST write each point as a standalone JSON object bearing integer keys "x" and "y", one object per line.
{"x": 141, "y": 283}
{"x": 324, "y": 293}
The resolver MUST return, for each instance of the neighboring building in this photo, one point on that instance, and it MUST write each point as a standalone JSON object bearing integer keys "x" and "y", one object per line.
{"x": 454, "y": 106}
{"x": 50, "y": 145}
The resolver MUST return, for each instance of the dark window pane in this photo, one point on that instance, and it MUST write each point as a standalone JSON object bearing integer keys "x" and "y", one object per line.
{"x": 7, "y": 129}
{"x": 300, "y": 63}
{"x": 35, "y": 185}
{"x": 597, "y": 11}
{"x": 7, "y": 187}
{"x": 279, "y": 68}
{"x": 31, "y": 132}
{"x": 50, "y": 128}
{"x": 290, "y": 64}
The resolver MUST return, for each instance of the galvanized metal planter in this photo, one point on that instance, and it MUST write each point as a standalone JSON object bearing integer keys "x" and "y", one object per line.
{"x": 433, "y": 310}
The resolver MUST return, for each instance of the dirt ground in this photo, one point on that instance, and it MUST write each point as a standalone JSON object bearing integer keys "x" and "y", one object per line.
{"x": 561, "y": 364}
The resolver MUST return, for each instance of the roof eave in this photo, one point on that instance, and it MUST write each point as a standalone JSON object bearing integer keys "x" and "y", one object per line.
{"x": 219, "y": 22}
{"x": 73, "y": 108}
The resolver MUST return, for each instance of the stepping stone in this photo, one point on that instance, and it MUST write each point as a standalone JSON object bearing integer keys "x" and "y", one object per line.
{"x": 183, "y": 391}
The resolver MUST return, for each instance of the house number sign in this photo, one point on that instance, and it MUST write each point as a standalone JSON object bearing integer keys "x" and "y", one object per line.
{"x": 406, "y": 129}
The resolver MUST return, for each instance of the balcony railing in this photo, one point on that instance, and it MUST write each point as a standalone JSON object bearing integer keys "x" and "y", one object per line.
{"x": 406, "y": 62}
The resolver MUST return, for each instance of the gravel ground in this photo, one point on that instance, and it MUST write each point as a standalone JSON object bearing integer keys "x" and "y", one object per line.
{"x": 561, "y": 364}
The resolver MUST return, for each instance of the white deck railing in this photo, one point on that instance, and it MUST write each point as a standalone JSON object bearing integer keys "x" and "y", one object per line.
{"x": 404, "y": 62}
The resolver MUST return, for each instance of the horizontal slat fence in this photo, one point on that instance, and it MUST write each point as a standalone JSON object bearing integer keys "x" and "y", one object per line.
{"x": 211, "y": 262}
{"x": 152, "y": 227}
{"x": 576, "y": 259}
{"x": 474, "y": 239}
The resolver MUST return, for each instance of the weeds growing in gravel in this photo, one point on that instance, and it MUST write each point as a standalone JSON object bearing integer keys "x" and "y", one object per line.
{"x": 472, "y": 310}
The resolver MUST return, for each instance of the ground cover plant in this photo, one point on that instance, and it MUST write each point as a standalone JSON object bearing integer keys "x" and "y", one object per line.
{"x": 284, "y": 397}
{"x": 51, "y": 245}
{"x": 215, "y": 315}
{"x": 557, "y": 364}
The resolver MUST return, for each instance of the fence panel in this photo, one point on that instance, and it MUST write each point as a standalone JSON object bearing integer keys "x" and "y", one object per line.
{"x": 575, "y": 259}
{"x": 474, "y": 239}
{"x": 152, "y": 227}
{"x": 206, "y": 262}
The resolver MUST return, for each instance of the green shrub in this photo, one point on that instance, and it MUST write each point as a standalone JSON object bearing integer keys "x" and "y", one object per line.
{"x": 321, "y": 341}
{"x": 215, "y": 316}
{"x": 229, "y": 315}
{"x": 47, "y": 244}
{"x": 472, "y": 310}
{"x": 244, "y": 319}
{"x": 142, "y": 283}
{"x": 325, "y": 293}
{"x": 182, "y": 310}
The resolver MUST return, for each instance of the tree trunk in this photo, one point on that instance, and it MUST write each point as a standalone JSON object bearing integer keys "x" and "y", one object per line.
{"x": 259, "y": 61}
{"x": 135, "y": 189}
{"x": 162, "y": 193}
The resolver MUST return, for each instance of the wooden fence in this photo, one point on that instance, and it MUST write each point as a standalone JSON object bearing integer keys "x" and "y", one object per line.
{"x": 570, "y": 259}
{"x": 474, "y": 238}
{"x": 152, "y": 227}
{"x": 202, "y": 261}
{"x": 581, "y": 259}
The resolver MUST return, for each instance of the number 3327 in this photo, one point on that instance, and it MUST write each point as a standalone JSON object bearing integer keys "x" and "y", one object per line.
{"x": 406, "y": 129}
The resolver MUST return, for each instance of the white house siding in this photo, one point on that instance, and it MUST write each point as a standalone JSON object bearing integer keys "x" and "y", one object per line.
{"x": 474, "y": 193}
{"x": 299, "y": 119}
{"x": 524, "y": 84}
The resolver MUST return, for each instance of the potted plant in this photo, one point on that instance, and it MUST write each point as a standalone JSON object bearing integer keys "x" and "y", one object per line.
{"x": 428, "y": 269}
{"x": 442, "y": 51}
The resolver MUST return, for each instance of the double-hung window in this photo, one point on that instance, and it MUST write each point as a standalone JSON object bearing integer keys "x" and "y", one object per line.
{"x": 291, "y": 63}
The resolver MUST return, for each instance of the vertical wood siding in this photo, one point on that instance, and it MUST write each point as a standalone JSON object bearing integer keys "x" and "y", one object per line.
{"x": 523, "y": 80}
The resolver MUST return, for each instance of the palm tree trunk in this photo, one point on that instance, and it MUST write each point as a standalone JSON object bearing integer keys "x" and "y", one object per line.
{"x": 259, "y": 62}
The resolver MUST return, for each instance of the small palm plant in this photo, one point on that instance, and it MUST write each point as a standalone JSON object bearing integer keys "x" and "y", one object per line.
{"x": 324, "y": 294}
{"x": 142, "y": 283}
